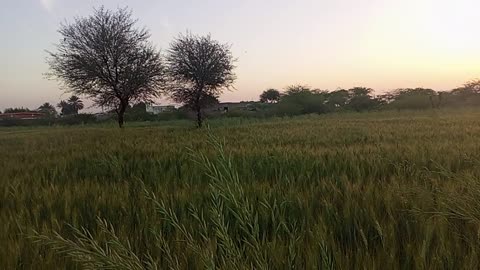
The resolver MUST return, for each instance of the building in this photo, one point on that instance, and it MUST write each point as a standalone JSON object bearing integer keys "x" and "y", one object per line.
{"x": 23, "y": 115}
{"x": 103, "y": 116}
{"x": 158, "y": 109}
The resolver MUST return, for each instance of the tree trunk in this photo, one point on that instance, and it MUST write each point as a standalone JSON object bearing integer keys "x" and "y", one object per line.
{"x": 121, "y": 113}
{"x": 120, "y": 119}
{"x": 199, "y": 117}
{"x": 198, "y": 108}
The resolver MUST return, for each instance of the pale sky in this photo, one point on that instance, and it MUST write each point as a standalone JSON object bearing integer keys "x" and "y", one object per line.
{"x": 326, "y": 44}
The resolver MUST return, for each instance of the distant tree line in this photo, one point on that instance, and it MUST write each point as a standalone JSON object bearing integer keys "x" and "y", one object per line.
{"x": 16, "y": 110}
{"x": 72, "y": 106}
{"x": 294, "y": 100}
{"x": 298, "y": 99}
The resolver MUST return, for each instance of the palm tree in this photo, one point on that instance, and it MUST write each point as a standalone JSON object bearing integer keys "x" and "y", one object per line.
{"x": 48, "y": 109}
{"x": 64, "y": 107}
{"x": 70, "y": 106}
{"x": 76, "y": 104}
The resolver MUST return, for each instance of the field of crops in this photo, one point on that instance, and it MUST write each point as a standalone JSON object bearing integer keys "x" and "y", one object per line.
{"x": 355, "y": 191}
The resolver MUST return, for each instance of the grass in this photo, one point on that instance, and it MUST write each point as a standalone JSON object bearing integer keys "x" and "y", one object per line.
{"x": 353, "y": 191}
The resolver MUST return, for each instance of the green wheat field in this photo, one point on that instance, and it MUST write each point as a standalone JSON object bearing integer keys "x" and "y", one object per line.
{"x": 386, "y": 190}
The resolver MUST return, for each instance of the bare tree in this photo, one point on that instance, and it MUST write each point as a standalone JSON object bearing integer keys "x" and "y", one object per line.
{"x": 199, "y": 68}
{"x": 106, "y": 58}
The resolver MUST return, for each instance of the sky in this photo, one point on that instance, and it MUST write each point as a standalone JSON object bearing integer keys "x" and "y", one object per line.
{"x": 325, "y": 44}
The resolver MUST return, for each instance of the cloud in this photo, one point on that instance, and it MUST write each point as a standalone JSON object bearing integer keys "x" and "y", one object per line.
{"x": 47, "y": 4}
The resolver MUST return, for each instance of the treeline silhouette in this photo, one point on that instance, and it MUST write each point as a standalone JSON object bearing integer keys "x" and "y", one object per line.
{"x": 298, "y": 99}
{"x": 294, "y": 100}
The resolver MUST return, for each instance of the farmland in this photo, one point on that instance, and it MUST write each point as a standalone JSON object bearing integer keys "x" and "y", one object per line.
{"x": 382, "y": 190}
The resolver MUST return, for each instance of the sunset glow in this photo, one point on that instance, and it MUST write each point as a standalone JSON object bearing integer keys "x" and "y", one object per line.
{"x": 382, "y": 44}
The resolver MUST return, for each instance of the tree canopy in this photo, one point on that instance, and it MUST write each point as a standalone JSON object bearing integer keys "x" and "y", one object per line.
{"x": 299, "y": 99}
{"x": 16, "y": 110}
{"x": 199, "y": 69}
{"x": 361, "y": 99}
{"x": 105, "y": 57}
{"x": 48, "y": 109}
{"x": 70, "y": 106}
{"x": 270, "y": 96}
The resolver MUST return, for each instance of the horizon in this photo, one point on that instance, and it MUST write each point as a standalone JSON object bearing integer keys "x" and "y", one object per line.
{"x": 383, "y": 45}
